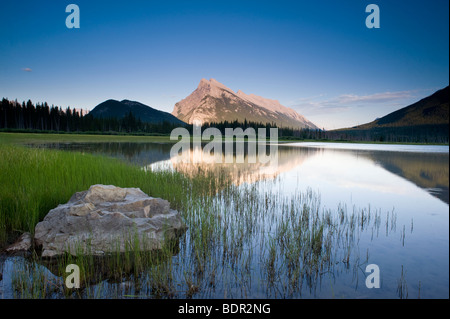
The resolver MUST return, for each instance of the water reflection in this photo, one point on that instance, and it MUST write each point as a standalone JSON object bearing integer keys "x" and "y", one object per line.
{"x": 248, "y": 170}
{"x": 136, "y": 153}
{"x": 426, "y": 167}
{"x": 427, "y": 170}
{"x": 403, "y": 190}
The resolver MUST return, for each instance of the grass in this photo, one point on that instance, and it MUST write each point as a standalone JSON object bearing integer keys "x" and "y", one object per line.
{"x": 241, "y": 242}
{"x": 237, "y": 246}
{"x": 36, "y": 138}
{"x": 33, "y": 181}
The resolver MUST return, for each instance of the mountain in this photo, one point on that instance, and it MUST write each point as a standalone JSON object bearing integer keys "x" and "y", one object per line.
{"x": 214, "y": 102}
{"x": 116, "y": 109}
{"x": 431, "y": 110}
{"x": 426, "y": 121}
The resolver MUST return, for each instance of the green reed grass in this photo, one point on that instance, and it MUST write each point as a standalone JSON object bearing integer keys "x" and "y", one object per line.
{"x": 33, "y": 181}
{"x": 280, "y": 250}
{"x": 241, "y": 242}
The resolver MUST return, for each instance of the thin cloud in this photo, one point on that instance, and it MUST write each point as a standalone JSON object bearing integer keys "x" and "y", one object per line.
{"x": 27, "y": 70}
{"x": 374, "y": 98}
{"x": 345, "y": 102}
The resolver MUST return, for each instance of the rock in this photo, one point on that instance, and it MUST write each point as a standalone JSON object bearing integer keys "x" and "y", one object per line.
{"x": 22, "y": 244}
{"x": 108, "y": 219}
{"x": 212, "y": 101}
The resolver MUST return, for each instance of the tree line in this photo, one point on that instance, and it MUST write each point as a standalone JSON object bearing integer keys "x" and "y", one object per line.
{"x": 403, "y": 134}
{"x": 27, "y": 116}
{"x": 426, "y": 133}
{"x": 283, "y": 132}
{"x": 41, "y": 117}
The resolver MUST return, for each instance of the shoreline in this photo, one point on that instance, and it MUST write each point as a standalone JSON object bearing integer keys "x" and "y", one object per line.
{"x": 21, "y": 138}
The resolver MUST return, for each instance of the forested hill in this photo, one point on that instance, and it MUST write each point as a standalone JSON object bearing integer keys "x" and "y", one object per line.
{"x": 432, "y": 110}
{"x": 426, "y": 121}
{"x": 27, "y": 116}
{"x": 145, "y": 113}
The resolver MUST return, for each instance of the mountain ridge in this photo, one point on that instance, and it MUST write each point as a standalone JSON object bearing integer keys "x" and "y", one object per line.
{"x": 212, "y": 101}
{"x": 119, "y": 109}
{"x": 425, "y": 121}
{"x": 430, "y": 110}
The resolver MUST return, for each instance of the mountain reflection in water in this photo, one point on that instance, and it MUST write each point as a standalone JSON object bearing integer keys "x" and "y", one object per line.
{"x": 427, "y": 170}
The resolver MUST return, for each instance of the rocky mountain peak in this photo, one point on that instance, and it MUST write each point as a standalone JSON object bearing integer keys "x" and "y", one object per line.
{"x": 212, "y": 101}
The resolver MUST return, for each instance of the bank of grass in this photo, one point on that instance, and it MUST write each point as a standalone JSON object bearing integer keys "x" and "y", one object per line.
{"x": 37, "y": 138}
{"x": 241, "y": 242}
{"x": 45, "y": 138}
{"x": 33, "y": 181}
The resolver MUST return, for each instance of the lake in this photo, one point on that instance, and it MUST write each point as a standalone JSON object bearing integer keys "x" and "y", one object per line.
{"x": 397, "y": 195}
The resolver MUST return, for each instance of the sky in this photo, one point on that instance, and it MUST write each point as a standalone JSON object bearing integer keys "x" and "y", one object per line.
{"x": 317, "y": 57}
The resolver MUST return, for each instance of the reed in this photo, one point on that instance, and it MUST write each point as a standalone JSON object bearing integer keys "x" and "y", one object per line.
{"x": 242, "y": 241}
{"x": 33, "y": 181}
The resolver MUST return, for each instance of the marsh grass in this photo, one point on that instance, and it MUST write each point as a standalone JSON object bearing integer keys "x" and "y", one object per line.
{"x": 33, "y": 181}
{"x": 43, "y": 138}
{"x": 282, "y": 250}
{"x": 242, "y": 241}
{"x": 30, "y": 280}
{"x": 402, "y": 286}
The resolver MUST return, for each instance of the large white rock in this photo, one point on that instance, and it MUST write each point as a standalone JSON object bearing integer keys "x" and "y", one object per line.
{"x": 107, "y": 219}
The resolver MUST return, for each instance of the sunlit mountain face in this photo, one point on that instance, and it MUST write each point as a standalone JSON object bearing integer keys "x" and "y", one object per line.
{"x": 214, "y": 102}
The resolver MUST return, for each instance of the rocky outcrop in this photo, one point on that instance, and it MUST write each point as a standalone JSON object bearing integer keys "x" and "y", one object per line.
{"x": 22, "y": 244}
{"x": 107, "y": 219}
{"x": 214, "y": 102}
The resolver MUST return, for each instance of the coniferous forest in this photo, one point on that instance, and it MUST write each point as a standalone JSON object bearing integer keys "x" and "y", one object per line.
{"x": 42, "y": 118}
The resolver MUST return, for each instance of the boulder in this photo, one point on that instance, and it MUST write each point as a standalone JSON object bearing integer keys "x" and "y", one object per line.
{"x": 108, "y": 219}
{"x": 22, "y": 244}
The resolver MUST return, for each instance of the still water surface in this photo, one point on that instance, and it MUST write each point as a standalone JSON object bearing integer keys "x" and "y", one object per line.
{"x": 408, "y": 184}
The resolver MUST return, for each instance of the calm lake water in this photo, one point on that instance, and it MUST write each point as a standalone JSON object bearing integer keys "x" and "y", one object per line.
{"x": 407, "y": 185}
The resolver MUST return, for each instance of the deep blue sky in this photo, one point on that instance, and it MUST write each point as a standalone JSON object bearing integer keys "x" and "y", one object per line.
{"x": 317, "y": 57}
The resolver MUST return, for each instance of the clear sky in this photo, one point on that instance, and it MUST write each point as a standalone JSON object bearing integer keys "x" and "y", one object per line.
{"x": 317, "y": 57}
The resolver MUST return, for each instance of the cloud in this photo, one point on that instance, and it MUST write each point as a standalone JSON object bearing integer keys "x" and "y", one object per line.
{"x": 343, "y": 102}
{"x": 27, "y": 69}
{"x": 374, "y": 98}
